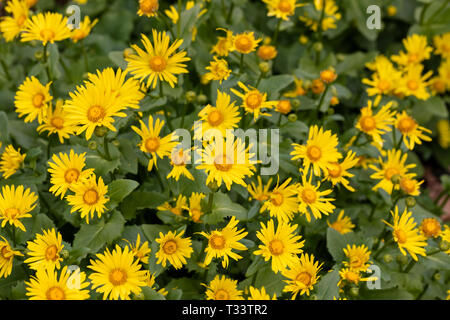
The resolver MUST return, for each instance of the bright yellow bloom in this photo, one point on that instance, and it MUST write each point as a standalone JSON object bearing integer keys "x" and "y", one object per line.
{"x": 254, "y": 101}
{"x": 410, "y": 186}
{"x": 311, "y": 200}
{"x": 32, "y": 100}
{"x": 224, "y": 45}
{"x": 351, "y": 276}
{"x": 222, "y": 288}
{"x": 442, "y": 45}
{"x": 11, "y": 161}
{"x": 280, "y": 246}
{"x": 337, "y": 172}
{"x": 358, "y": 258}
{"x": 282, "y": 9}
{"x": 407, "y": 236}
{"x": 384, "y": 79}
{"x": 329, "y": 19}
{"x": 417, "y": 50}
{"x": 12, "y": 26}
{"x": 282, "y": 202}
{"x": 328, "y": 76}
{"x": 342, "y": 224}
{"x": 391, "y": 10}
{"x": 45, "y": 251}
{"x": 298, "y": 91}
{"x": 148, "y": 8}
{"x": 302, "y": 275}
{"x": 45, "y": 285}
{"x": 245, "y": 42}
{"x": 173, "y": 248}
{"x": 158, "y": 60}
{"x": 445, "y": 235}
{"x": 90, "y": 197}
{"x": 267, "y": 52}
{"x": 140, "y": 251}
{"x": 410, "y": 129}
{"x": 413, "y": 83}
{"x": 180, "y": 205}
{"x": 218, "y": 70}
{"x": 117, "y": 274}
{"x": 222, "y": 242}
{"x": 283, "y": 106}
{"x": 16, "y": 204}
{"x": 444, "y": 72}
{"x": 56, "y": 122}
{"x": 7, "y": 255}
{"x": 195, "y": 206}
{"x": 46, "y": 27}
{"x": 443, "y": 128}
{"x": 179, "y": 159}
{"x": 256, "y": 294}
{"x": 84, "y": 29}
{"x": 430, "y": 228}
{"x": 259, "y": 192}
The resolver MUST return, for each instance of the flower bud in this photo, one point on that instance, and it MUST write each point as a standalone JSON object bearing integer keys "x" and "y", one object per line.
{"x": 213, "y": 186}
{"x": 116, "y": 143}
{"x": 396, "y": 179}
{"x": 437, "y": 276}
{"x": 39, "y": 54}
{"x": 314, "y": 297}
{"x": 401, "y": 259}
{"x": 64, "y": 254}
{"x": 318, "y": 46}
{"x": 264, "y": 67}
{"x": 100, "y": 131}
{"x": 295, "y": 103}
{"x": 354, "y": 291}
{"x": 388, "y": 258}
{"x": 410, "y": 202}
{"x": 190, "y": 96}
{"x": 202, "y": 99}
{"x": 92, "y": 145}
{"x": 444, "y": 245}
{"x": 292, "y": 117}
{"x": 139, "y": 296}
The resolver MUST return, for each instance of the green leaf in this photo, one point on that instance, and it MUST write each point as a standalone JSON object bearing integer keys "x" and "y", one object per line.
{"x": 336, "y": 242}
{"x": 151, "y": 294}
{"x": 4, "y": 132}
{"x": 152, "y": 231}
{"x": 119, "y": 189}
{"x": 425, "y": 109}
{"x": 275, "y": 84}
{"x": 118, "y": 59}
{"x": 327, "y": 287}
{"x": 354, "y": 62}
{"x": 273, "y": 283}
{"x": 224, "y": 207}
{"x": 141, "y": 200}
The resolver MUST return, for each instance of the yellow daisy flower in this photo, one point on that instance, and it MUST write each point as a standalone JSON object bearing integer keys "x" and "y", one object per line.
{"x": 224, "y": 45}
{"x": 342, "y": 224}
{"x": 56, "y": 122}
{"x": 218, "y": 70}
{"x": 222, "y": 242}
{"x": 260, "y": 294}
{"x": 195, "y": 206}
{"x": 16, "y": 204}
{"x": 12, "y": 26}
{"x": 11, "y": 161}
{"x": 32, "y": 100}
{"x": 430, "y": 228}
{"x": 283, "y": 106}
{"x": 259, "y": 192}
{"x": 267, "y": 52}
{"x": 319, "y": 151}
{"x": 445, "y": 235}
{"x": 384, "y": 79}
{"x": 349, "y": 276}
{"x": 413, "y": 83}
{"x": 117, "y": 274}
{"x": 46, "y": 285}
{"x": 45, "y": 251}
{"x": 407, "y": 236}
{"x": 417, "y": 50}
{"x": 84, "y": 29}
{"x": 178, "y": 160}
{"x": 46, "y": 27}
{"x": 148, "y": 8}
{"x": 7, "y": 255}
{"x": 152, "y": 142}
{"x": 180, "y": 205}
{"x": 173, "y": 248}
{"x": 298, "y": 91}
{"x": 280, "y": 246}
{"x": 337, "y": 172}
{"x": 158, "y": 61}
{"x": 443, "y": 128}
{"x": 254, "y": 101}
{"x": 222, "y": 288}
{"x": 442, "y": 45}
{"x": 282, "y": 9}
{"x": 331, "y": 15}
{"x": 282, "y": 202}
{"x": 140, "y": 251}
{"x": 358, "y": 257}
{"x": 302, "y": 275}
{"x": 245, "y": 42}
{"x": 410, "y": 186}
{"x": 410, "y": 129}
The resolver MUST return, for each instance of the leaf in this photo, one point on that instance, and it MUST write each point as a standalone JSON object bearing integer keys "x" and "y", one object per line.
{"x": 275, "y": 84}
{"x": 118, "y": 59}
{"x": 336, "y": 242}
{"x": 273, "y": 283}
{"x": 151, "y": 294}
{"x": 101, "y": 166}
{"x": 425, "y": 109}
{"x": 354, "y": 62}
{"x": 152, "y": 231}
{"x": 119, "y": 189}
{"x": 141, "y": 200}
{"x": 4, "y": 132}
{"x": 254, "y": 266}
{"x": 327, "y": 287}
{"x": 224, "y": 207}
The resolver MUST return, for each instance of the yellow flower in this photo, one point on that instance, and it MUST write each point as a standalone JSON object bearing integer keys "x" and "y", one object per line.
{"x": 222, "y": 242}
{"x": 298, "y": 91}
{"x": 180, "y": 205}
{"x": 245, "y": 42}
{"x": 430, "y": 228}
{"x": 282, "y": 9}
{"x": 195, "y": 206}
{"x": 302, "y": 275}
{"x": 45, "y": 251}
{"x": 178, "y": 160}
{"x": 12, "y": 26}
{"x": 267, "y": 52}
{"x": 437, "y": 85}
{"x": 11, "y": 161}
{"x": 140, "y": 251}
{"x": 254, "y": 101}
{"x": 413, "y": 83}
{"x": 410, "y": 186}
{"x": 329, "y": 19}
{"x": 116, "y": 274}
{"x": 172, "y": 14}
{"x": 311, "y": 200}
{"x": 417, "y": 50}
{"x": 158, "y": 60}
{"x": 46, "y": 27}
{"x": 7, "y": 255}
{"x": 394, "y": 165}
{"x": 352, "y": 276}
{"x": 148, "y": 8}
{"x": 153, "y": 143}
{"x": 411, "y": 131}
{"x": 256, "y": 294}
{"x": 343, "y": 224}
{"x": 45, "y": 285}
{"x": 442, "y": 45}
{"x": 218, "y": 70}
{"x": 282, "y": 202}
{"x": 280, "y": 246}
{"x": 32, "y": 100}
{"x": 259, "y": 192}
{"x": 444, "y": 72}
{"x": 358, "y": 258}
{"x": 84, "y": 29}
{"x": 391, "y": 10}
{"x": 407, "y": 235}
{"x": 384, "y": 79}
{"x": 319, "y": 151}
{"x": 16, "y": 204}
{"x": 317, "y": 86}
{"x": 222, "y": 288}
{"x": 56, "y": 122}
{"x": 283, "y": 106}
{"x": 328, "y": 76}
{"x": 224, "y": 45}
{"x": 173, "y": 248}
{"x": 445, "y": 235}
{"x": 443, "y": 128}
{"x": 90, "y": 197}
{"x": 337, "y": 172}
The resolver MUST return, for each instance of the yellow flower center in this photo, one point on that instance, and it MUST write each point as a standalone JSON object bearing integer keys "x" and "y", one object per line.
{"x": 96, "y": 113}
{"x": 57, "y": 122}
{"x": 277, "y": 198}
{"x": 390, "y": 172}
{"x": 334, "y": 170}
{"x": 412, "y": 85}
{"x": 317, "y": 86}
{"x": 157, "y": 63}
{"x": 367, "y": 123}
{"x": 338, "y": 226}
{"x": 276, "y": 247}
{"x": 284, "y": 106}
{"x": 149, "y": 6}
{"x": 47, "y": 34}
{"x": 309, "y": 195}
{"x": 55, "y": 293}
{"x": 254, "y": 100}
{"x": 176, "y": 211}
{"x": 6, "y": 253}
{"x": 355, "y": 262}
{"x": 152, "y": 144}
{"x": 413, "y": 57}
{"x": 243, "y": 43}
{"x": 215, "y": 118}
{"x": 38, "y": 100}
{"x": 314, "y": 153}
{"x": 284, "y": 6}
{"x": 12, "y": 213}
{"x": 170, "y": 247}
{"x": 406, "y": 125}
{"x": 21, "y": 20}
{"x": 352, "y": 276}
{"x": 431, "y": 227}
{"x": 384, "y": 85}
{"x": 71, "y": 175}
{"x": 178, "y": 158}
{"x": 400, "y": 235}
{"x": 408, "y": 185}
{"x": 90, "y": 197}
{"x": 51, "y": 253}
{"x": 217, "y": 241}
{"x": 304, "y": 277}
{"x": 117, "y": 277}
{"x": 221, "y": 294}
{"x": 222, "y": 163}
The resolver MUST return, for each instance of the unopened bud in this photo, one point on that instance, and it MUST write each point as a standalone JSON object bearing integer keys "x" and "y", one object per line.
{"x": 190, "y": 96}
{"x": 292, "y": 117}
{"x": 314, "y": 297}
{"x": 388, "y": 258}
{"x": 402, "y": 259}
{"x": 295, "y": 103}
{"x": 410, "y": 202}
{"x": 64, "y": 254}
{"x": 444, "y": 245}
{"x": 92, "y": 145}
{"x": 39, "y": 54}
{"x": 264, "y": 67}
{"x": 318, "y": 46}
{"x": 139, "y": 296}
{"x": 213, "y": 186}
{"x": 396, "y": 179}
{"x": 202, "y": 99}
{"x": 100, "y": 131}
{"x": 116, "y": 143}
{"x": 437, "y": 276}
{"x": 354, "y": 291}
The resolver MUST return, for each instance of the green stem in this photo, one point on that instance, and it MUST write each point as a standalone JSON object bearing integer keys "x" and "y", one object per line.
{"x": 5, "y": 70}
{"x": 442, "y": 194}
{"x": 319, "y": 26}
{"x": 106, "y": 147}
{"x": 279, "y": 120}
{"x": 277, "y": 31}
{"x": 386, "y": 243}
{"x": 158, "y": 177}
{"x": 66, "y": 70}
{"x": 425, "y": 288}
{"x": 422, "y": 14}
{"x": 210, "y": 201}
{"x": 85, "y": 58}
{"x": 410, "y": 266}
{"x": 261, "y": 75}
{"x": 241, "y": 64}
{"x": 441, "y": 206}
{"x": 228, "y": 18}
{"x": 322, "y": 98}
{"x": 438, "y": 10}
{"x": 13, "y": 235}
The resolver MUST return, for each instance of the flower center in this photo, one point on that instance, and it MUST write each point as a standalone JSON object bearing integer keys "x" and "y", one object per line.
{"x": 12, "y": 213}
{"x": 412, "y": 84}
{"x": 149, "y": 6}
{"x": 21, "y": 20}
{"x": 355, "y": 262}
{"x": 407, "y": 185}
{"x": 6, "y": 253}
{"x": 284, "y": 6}
{"x": 431, "y": 227}
{"x": 55, "y": 293}
{"x": 390, "y": 172}
{"x": 384, "y": 85}
{"x": 221, "y": 294}
{"x": 276, "y": 247}
{"x": 51, "y": 253}
{"x": 413, "y": 57}
{"x": 178, "y": 158}
{"x": 254, "y": 100}
{"x": 277, "y": 198}
{"x": 215, "y": 118}
{"x": 314, "y": 153}
{"x": 157, "y": 63}
{"x": 79, "y": 34}
{"x": 284, "y": 106}
{"x": 222, "y": 163}
{"x": 334, "y": 170}
{"x": 309, "y": 196}
{"x": 71, "y": 175}
{"x": 367, "y": 123}
{"x": 352, "y": 276}
{"x": 38, "y": 100}
{"x": 217, "y": 241}
{"x": 96, "y": 113}
{"x": 338, "y": 226}
{"x": 152, "y": 144}
{"x": 57, "y": 122}
{"x": 304, "y": 277}
{"x": 117, "y": 277}
{"x": 170, "y": 247}
{"x": 47, "y": 34}
{"x": 243, "y": 43}
{"x": 196, "y": 213}
{"x": 90, "y": 197}
{"x": 406, "y": 124}
{"x": 400, "y": 235}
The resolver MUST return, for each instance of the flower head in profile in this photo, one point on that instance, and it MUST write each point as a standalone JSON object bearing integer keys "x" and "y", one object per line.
{"x": 350, "y": 276}
{"x": 10, "y": 161}
{"x": 417, "y": 50}
{"x": 299, "y": 89}
{"x": 56, "y": 122}
{"x": 254, "y": 101}
{"x": 158, "y": 60}
{"x": 430, "y": 228}
{"x": 445, "y": 236}
{"x": 441, "y": 43}
{"x": 45, "y": 250}
{"x": 260, "y": 294}
{"x": 259, "y": 192}
{"x": 282, "y": 201}
{"x": 179, "y": 159}
{"x": 84, "y": 29}
{"x": 195, "y": 206}
{"x": 224, "y": 45}
{"x": 149, "y": 8}
{"x": 46, "y": 27}
{"x": 282, "y": 9}
{"x": 358, "y": 257}
{"x": 223, "y": 288}
{"x": 329, "y": 19}
{"x": 173, "y": 248}
{"x": 11, "y": 26}
{"x": 267, "y": 52}
{"x": 116, "y": 274}
{"x": 177, "y": 208}
{"x": 140, "y": 250}
{"x": 411, "y": 131}
{"x": 384, "y": 78}
{"x": 221, "y": 243}
{"x": 7, "y": 254}
{"x": 16, "y": 203}
{"x": 218, "y": 70}
{"x": 343, "y": 224}
{"x": 410, "y": 186}
{"x": 32, "y": 100}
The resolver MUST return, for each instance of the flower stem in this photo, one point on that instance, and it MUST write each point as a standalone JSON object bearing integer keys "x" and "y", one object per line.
{"x": 5, "y": 70}
{"x": 230, "y": 11}
{"x": 106, "y": 147}
{"x": 241, "y": 64}
{"x": 210, "y": 201}
{"x": 386, "y": 243}
{"x": 410, "y": 266}
{"x": 277, "y": 31}
{"x": 85, "y": 58}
